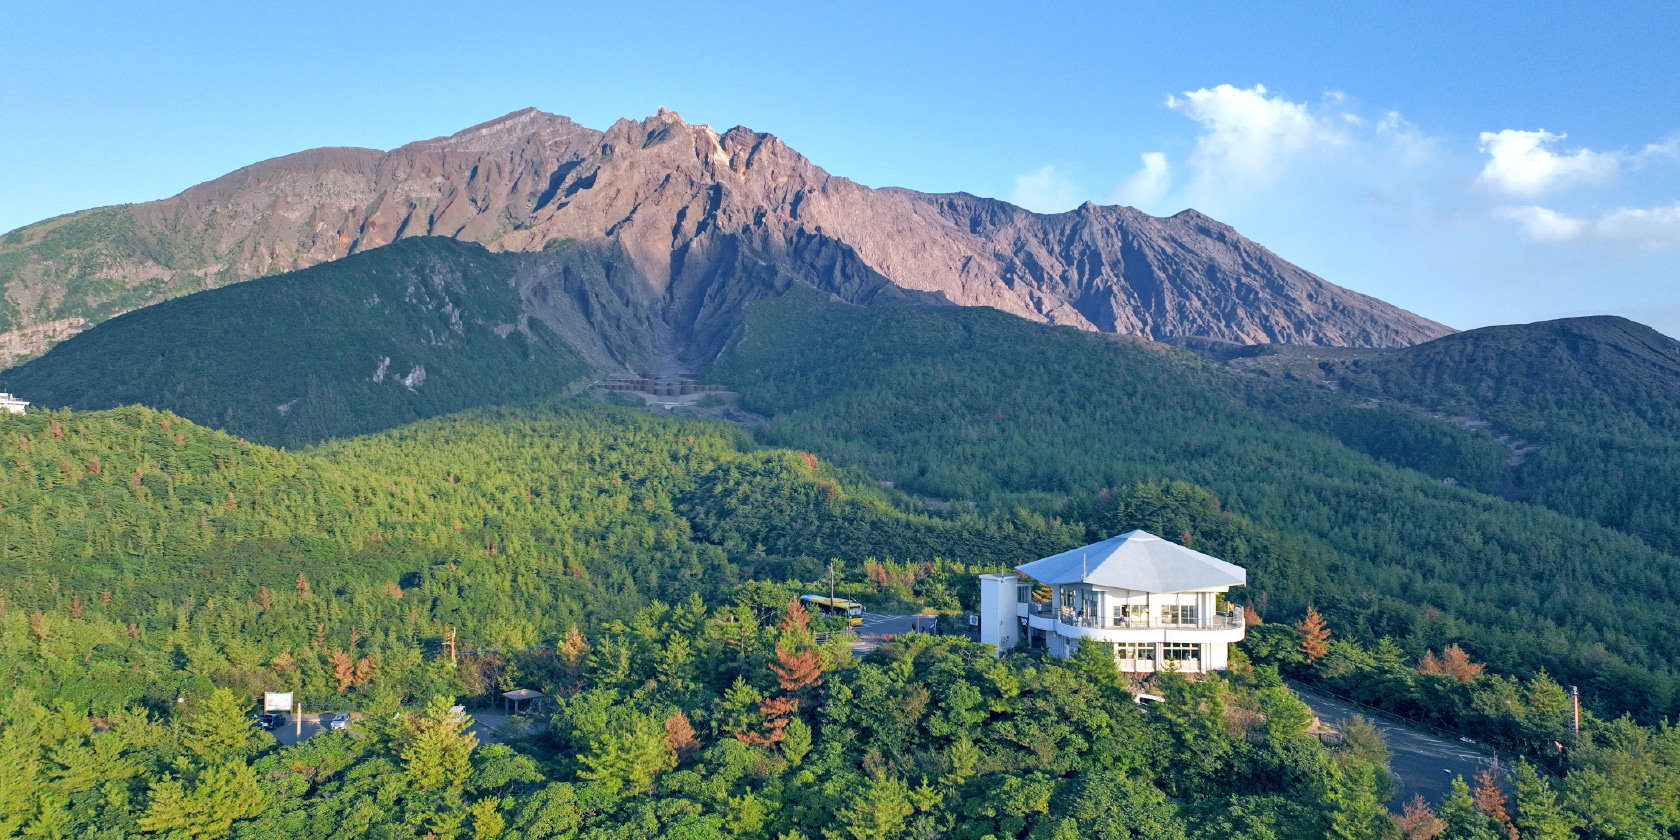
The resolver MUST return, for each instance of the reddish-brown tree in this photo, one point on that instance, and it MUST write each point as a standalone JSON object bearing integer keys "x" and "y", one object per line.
{"x": 364, "y": 671}
{"x": 1490, "y": 800}
{"x": 1453, "y": 662}
{"x": 797, "y": 671}
{"x": 679, "y": 736}
{"x": 1418, "y": 822}
{"x": 344, "y": 670}
{"x": 1315, "y": 636}
{"x": 795, "y": 618}
{"x": 778, "y": 712}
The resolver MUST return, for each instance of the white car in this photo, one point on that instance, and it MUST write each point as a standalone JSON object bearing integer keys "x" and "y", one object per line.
{"x": 339, "y": 721}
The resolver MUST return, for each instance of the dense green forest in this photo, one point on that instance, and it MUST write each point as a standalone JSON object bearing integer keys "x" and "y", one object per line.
{"x": 420, "y": 328}
{"x": 689, "y": 722}
{"x": 1589, "y": 410}
{"x": 508, "y": 525}
{"x": 963, "y": 403}
{"x": 203, "y": 569}
{"x": 1597, "y": 400}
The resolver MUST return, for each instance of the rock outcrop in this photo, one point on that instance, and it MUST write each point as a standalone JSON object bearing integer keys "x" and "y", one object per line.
{"x": 677, "y": 226}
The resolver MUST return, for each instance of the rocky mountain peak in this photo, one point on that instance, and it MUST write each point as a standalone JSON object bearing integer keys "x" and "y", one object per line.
{"x": 672, "y": 216}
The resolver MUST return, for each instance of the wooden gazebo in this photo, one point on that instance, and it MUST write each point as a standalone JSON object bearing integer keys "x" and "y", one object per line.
{"x": 512, "y": 699}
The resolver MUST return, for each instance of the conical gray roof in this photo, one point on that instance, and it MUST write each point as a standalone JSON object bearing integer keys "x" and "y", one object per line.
{"x": 1136, "y": 560}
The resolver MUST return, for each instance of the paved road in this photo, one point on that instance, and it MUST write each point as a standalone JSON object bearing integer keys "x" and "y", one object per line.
{"x": 1421, "y": 763}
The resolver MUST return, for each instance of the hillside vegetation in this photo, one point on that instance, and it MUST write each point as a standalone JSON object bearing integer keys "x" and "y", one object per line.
{"x": 1594, "y": 402}
{"x": 203, "y": 569}
{"x": 973, "y": 404}
{"x": 423, "y": 327}
{"x": 638, "y": 570}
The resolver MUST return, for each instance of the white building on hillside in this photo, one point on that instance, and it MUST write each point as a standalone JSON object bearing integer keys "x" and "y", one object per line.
{"x": 1156, "y": 602}
{"x": 12, "y": 404}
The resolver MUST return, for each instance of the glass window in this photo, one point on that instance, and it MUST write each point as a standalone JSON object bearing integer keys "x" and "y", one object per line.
{"x": 1133, "y": 651}
{"x": 1178, "y": 614}
{"x": 1178, "y": 652}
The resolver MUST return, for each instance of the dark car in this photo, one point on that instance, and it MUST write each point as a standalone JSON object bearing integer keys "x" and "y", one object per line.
{"x": 268, "y": 721}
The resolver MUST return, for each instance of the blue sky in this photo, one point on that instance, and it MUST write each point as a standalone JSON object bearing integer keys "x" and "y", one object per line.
{"x": 1475, "y": 163}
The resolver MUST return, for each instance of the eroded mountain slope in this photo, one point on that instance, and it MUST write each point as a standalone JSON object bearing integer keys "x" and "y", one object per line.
{"x": 681, "y": 209}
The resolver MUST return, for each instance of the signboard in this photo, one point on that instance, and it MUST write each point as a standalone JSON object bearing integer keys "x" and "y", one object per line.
{"x": 974, "y": 621}
{"x": 274, "y": 701}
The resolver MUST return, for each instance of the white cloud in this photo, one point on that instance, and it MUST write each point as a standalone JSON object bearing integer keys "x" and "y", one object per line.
{"x": 1045, "y": 190}
{"x": 1543, "y": 225}
{"x": 1246, "y": 132}
{"x": 1522, "y": 163}
{"x": 1655, "y": 228}
{"x": 1146, "y": 187}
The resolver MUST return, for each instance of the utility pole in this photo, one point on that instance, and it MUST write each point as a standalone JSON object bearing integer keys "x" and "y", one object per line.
{"x": 297, "y": 717}
{"x": 1575, "y": 697}
{"x": 450, "y": 641}
{"x": 831, "y": 584}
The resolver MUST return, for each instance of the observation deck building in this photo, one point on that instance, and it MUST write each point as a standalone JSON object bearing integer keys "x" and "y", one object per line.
{"x": 1154, "y": 602}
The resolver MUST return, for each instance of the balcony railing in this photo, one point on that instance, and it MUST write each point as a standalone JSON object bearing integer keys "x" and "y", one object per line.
{"x": 1218, "y": 621}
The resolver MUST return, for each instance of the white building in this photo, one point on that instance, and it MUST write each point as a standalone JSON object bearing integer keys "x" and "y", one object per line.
{"x": 12, "y": 404}
{"x": 1156, "y": 602}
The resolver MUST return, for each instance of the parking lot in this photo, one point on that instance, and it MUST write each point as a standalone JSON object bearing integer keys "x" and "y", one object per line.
{"x": 876, "y": 624}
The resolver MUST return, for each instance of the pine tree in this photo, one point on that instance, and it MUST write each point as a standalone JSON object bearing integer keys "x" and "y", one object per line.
{"x": 679, "y": 736}
{"x": 1490, "y": 801}
{"x": 487, "y": 820}
{"x": 1463, "y": 821}
{"x": 1539, "y": 814}
{"x": 877, "y": 812}
{"x": 216, "y": 729}
{"x": 436, "y": 748}
{"x": 796, "y": 741}
{"x": 572, "y": 650}
{"x": 344, "y": 670}
{"x": 1418, "y": 822}
{"x": 1315, "y": 636}
{"x": 20, "y": 756}
{"x": 224, "y": 793}
{"x": 628, "y": 756}
{"x": 797, "y": 671}
{"x": 739, "y": 713}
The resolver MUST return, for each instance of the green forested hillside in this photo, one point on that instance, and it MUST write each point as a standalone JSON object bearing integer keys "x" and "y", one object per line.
{"x": 156, "y": 575}
{"x": 509, "y": 525}
{"x": 423, "y": 327}
{"x": 1595, "y": 402}
{"x": 974, "y": 404}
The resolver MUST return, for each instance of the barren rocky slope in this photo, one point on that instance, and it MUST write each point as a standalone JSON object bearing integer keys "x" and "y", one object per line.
{"x": 688, "y": 224}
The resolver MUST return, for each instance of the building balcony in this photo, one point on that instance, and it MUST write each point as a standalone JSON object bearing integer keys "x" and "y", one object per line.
{"x": 1218, "y": 627}
{"x": 1232, "y": 620}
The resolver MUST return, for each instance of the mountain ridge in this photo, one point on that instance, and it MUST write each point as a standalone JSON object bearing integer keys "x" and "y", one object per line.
{"x": 675, "y": 200}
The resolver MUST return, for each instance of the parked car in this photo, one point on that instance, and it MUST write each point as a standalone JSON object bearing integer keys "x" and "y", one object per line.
{"x": 269, "y": 721}
{"x": 339, "y": 721}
